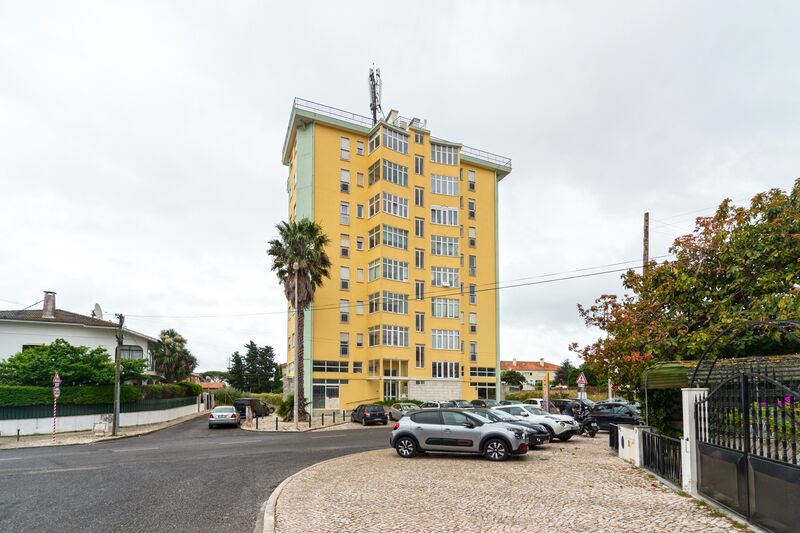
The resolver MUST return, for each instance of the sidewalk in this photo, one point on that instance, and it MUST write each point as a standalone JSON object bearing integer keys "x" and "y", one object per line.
{"x": 268, "y": 423}
{"x": 574, "y": 486}
{"x": 86, "y": 437}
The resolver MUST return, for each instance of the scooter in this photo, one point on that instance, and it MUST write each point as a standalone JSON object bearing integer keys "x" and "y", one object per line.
{"x": 586, "y": 423}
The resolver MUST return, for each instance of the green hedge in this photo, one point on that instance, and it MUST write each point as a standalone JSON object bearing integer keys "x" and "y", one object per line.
{"x": 524, "y": 395}
{"x": 191, "y": 389}
{"x": 14, "y": 396}
{"x": 272, "y": 398}
{"x": 390, "y": 403}
{"x": 163, "y": 391}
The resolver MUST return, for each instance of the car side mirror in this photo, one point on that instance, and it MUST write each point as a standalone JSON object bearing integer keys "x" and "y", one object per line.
{"x": 469, "y": 425}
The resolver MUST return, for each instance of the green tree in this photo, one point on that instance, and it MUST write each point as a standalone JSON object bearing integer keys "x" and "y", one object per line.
{"x": 76, "y": 365}
{"x": 512, "y": 378}
{"x": 237, "y": 376}
{"x": 739, "y": 264}
{"x": 171, "y": 358}
{"x": 259, "y": 367}
{"x": 563, "y": 373}
{"x": 300, "y": 261}
{"x": 132, "y": 370}
{"x": 277, "y": 379}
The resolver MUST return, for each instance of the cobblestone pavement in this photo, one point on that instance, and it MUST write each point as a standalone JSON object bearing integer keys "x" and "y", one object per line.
{"x": 574, "y": 486}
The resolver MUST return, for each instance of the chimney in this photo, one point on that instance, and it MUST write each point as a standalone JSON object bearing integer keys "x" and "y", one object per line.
{"x": 49, "y": 307}
{"x": 514, "y": 361}
{"x": 541, "y": 362}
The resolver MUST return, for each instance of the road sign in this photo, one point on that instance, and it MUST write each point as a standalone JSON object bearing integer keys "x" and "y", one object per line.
{"x": 56, "y": 392}
{"x": 581, "y": 380}
{"x": 56, "y": 380}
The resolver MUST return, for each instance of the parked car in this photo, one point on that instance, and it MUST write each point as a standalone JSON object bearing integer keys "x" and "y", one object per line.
{"x": 437, "y": 405}
{"x": 614, "y": 400}
{"x": 565, "y": 406}
{"x": 258, "y": 406}
{"x": 485, "y": 403}
{"x": 615, "y": 413}
{"x": 451, "y": 430}
{"x": 461, "y": 404}
{"x": 538, "y": 402}
{"x": 510, "y": 402}
{"x": 369, "y": 414}
{"x": 560, "y": 427}
{"x": 399, "y": 410}
{"x": 537, "y": 433}
{"x": 223, "y": 415}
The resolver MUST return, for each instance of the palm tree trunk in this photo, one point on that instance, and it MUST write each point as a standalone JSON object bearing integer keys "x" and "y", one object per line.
{"x": 300, "y": 370}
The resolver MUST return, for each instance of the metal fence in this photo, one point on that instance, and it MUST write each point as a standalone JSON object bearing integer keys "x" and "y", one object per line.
{"x": 46, "y": 411}
{"x": 613, "y": 436}
{"x": 661, "y": 455}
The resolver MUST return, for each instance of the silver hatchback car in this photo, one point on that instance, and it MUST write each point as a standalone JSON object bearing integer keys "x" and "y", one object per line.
{"x": 451, "y": 430}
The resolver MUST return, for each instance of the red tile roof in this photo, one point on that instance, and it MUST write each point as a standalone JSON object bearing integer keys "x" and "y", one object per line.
{"x": 530, "y": 366}
{"x": 212, "y": 385}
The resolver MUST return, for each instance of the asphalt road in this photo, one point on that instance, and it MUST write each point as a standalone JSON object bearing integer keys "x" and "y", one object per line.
{"x": 184, "y": 478}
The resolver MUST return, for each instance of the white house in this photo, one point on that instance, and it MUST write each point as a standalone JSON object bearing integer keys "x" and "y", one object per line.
{"x": 32, "y": 327}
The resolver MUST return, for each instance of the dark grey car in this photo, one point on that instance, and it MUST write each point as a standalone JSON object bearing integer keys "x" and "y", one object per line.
{"x": 451, "y": 430}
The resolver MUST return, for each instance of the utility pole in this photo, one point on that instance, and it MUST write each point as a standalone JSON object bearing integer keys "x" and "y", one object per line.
{"x": 117, "y": 354}
{"x": 646, "y": 243}
{"x": 296, "y": 358}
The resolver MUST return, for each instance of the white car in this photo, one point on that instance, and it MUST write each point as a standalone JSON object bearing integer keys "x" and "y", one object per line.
{"x": 536, "y": 402}
{"x": 561, "y": 427}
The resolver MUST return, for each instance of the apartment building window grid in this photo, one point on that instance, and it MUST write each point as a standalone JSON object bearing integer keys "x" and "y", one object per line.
{"x": 344, "y": 213}
{"x": 419, "y": 165}
{"x": 471, "y": 209}
{"x": 330, "y": 366}
{"x": 445, "y": 370}
{"x": 395, "y": 237}
{"x": 374, "y": 172}
{"x": 394, "y": 173}
{"x": 344, "y": 180}
{"x": 419, "y": 227}
{"x": 446, "y": 185}
{"x": 344, "y": 148}
{"x": 473, "y": 352}
{"x": 360, "y": 179}
{"x": 444, "y": 216}
{"x": 444, "y": 246}
{"x": 359, "y": 307}
{"x": 473, "y": 322}
{"x": 374, "y": 270}
{"x": 445, "y": 307}
{"x": 419, "y": 258}
{"x": 472, "y": 235}
{"x": 344, "y": 311}
{"x": 473, "y": 294}
{"x": 473, "y": 265}
{"x": 395, "y": 205}
{"x": 445, "y": 155}
{"x": 419, "y": 322}
{"x": 359, "y": 147}
{"x": 359, "y": 344}
{"x": 359, "y": 210}
{"x": 374, "y": 336}
{"x": 344, "y": 245}
{"x": 373, "y": 205}
{"x": 344, "y": 278}
{"x": 394, "y": 302}
{"x": 419, "y": 356}
{"x": 446, "y": 339}
{"x": 374, "y": 141}
{"x": 418, "y": 137}
{"x": 419, "y": 196}
{"x": 394, "y": 140}
{"x": 419, "y": 290}
{"x": 444, "y": 277}
{"x": 395, "y": 270}
{"x": 471, "y": 180}
{"x": 482, "y": 371}
{"x": 359, "y": 243}
{"x": 360, "y": 275}
{"x": 344, "y": 344}
{"x": 395, "y": 335}
{"x": 374, "y": 237}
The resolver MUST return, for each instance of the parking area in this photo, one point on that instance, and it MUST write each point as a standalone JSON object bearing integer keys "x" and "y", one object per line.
{"x": 574, "y": 486}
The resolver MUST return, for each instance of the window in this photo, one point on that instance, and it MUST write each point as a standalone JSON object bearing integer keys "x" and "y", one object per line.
{"x": 344, "y": 310}
{"x": 418, "y": 137}
{"x": 344, "y": 344}
{"x": 419, "y": 258}
{"x": 374, "y": 172}
{"x": 471, "y": 209}
{"x": 446, "y": 339}
{"x": 359, "y": 308}
{"x": 473, "y": 265}
{"x": 344, "y": 148}
{"x": 394, "y": 269}
{"x": 419, "y": 355}
{"x": 394, "y": 173}
{"x": 471, "y": 180}
{"x": 419, "y": 322}
{"x": 419, "y": 290}
{"x": 446, "y": 155}
{"x": 344, "y": 278}
{"x": 359, "y": 344}
{"x": 360, "y": 210}
{"x": 482, "y": 371}
{"x": 419, "y": 227}
{"x": 374, "y": 336}
{"x": 473, "y": 355}
{"x": 374, "y": 270}
{"x": 344, "y": 180}
{"x": 444, "y": 369}
{"x": 444, "y": 216}
{"x": 395, "y": 335}
{"x": 419, "y": 196}
{"x": 394, "y": 140}
{"x": 344, "y": 213}
{"x": 374, "y": 141}
{"x": 359, "y": 243}
{"x": 428, "y": 417}
{"x": 344, "y": 245}
{"x": 360, "y": 179}
{"x": 374, "y": 302}
{"x": 473, "y": 294}
{"x": 360, "y": 275}
{"x": 395, "y": 205}
{"x": 473, "y": 322}
{"x": 374, "y": 237}
{"x": 472, "y": 234}
{"x": 395, "y": 237}
{"x": 394, "y": 302}
{"x": 330, "y": 366}
{"x": 359, "y": 147}
{"x": 419, "y": 165}
{"x": 447, "y": 185}
{"x": 126, "y": 351}
{"x": 374, "y": 206}
{"x": 447, "y": 246}
{"x": 444, "y": 277}
{"x": 444, "y": 308}
{"x": 358, "y": 366}
{"x": 453, "y": 418}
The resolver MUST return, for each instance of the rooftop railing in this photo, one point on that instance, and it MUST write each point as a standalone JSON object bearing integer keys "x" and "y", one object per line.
{"x": 487, "y": 156}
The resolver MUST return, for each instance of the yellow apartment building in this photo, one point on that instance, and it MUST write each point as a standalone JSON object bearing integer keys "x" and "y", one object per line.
{"x": 411, "y": 310}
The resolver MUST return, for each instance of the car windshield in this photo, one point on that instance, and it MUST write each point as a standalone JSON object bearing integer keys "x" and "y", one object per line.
{"x": 492, "y": 403}
{"x": 223, "y": 409}
{"x": 502, "y": 415}
{"x": 534, "y": 410}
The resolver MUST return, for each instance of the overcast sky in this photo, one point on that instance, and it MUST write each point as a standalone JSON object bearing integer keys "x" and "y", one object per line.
{"x": 140, "y": 142}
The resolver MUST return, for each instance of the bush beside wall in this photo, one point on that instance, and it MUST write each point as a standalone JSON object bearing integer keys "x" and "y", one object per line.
{"x": 16, "y": 396}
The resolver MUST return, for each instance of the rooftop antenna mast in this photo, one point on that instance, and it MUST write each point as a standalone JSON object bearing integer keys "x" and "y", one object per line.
{"x": 375, "y": 94}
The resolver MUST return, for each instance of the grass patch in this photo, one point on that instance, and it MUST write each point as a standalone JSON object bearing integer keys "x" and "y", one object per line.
{"x": 684, "y": 494}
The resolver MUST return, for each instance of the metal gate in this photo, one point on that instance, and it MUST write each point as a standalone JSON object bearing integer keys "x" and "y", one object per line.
{"x": 747, "y": 429}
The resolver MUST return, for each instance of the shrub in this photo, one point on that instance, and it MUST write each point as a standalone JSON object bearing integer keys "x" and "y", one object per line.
{"x": 523, "y": 395}
{"x": 225, "y": 396}
{"x": 271, "y": 398}
{"x": 13, "y": 396}
{"x": 389, "y": 403}
{"x": 162, "y": 391}
{"x": 286, "y": 406}
{"x": 191, "y": 389}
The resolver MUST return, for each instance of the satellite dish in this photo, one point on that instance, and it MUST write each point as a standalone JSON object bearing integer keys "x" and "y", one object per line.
{"x": 97, "y": 312}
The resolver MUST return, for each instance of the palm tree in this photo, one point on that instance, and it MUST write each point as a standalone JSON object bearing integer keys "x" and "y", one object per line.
{"x": 299, "y": 259}
{"x": 171, "y": 359}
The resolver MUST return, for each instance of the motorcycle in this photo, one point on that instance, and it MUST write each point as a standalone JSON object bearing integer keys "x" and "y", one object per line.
{"x": 586, "y": 423}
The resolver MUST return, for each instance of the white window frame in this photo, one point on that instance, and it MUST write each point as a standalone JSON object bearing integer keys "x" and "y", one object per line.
{"x": 394, "y": 140}
{"x": 445, "y": 308}
{"x": 395, "y": 205}
{"x": 444, "y": 277}
{"x": 444, "y": 154}
{"x": 444, "y": 216}
{"x": 344, "y": 148}
{"x": 444, "y": 185}
{"x": 395, "y": 269}
{"x": 446, "y": 339}
{"x": 444, "y": 246}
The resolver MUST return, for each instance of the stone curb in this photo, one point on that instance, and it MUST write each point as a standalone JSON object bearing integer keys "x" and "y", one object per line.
{"x": 269, "y": 517}
{"x": 303, "y": 430}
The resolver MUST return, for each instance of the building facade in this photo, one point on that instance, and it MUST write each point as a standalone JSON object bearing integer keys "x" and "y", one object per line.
{"x": 410, "y": 311}
{"x": 535, "y": 372}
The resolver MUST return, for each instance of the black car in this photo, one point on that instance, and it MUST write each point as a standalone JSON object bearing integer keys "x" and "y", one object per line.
{"x": 615, "y": 413}
{"x": 369, "y": 414}
{"x": 258, "y": 406}
{"x": 565, "y": 406}
{"x": 485, "y": 403}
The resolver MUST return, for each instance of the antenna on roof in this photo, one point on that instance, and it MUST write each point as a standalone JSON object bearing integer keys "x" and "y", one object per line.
{"x": 375, "y": 93}
{"x": 97, "y": 312}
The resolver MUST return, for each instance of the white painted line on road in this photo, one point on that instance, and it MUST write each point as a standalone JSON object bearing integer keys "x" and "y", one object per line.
{"x": 10, "y": 458}
{"x": 134, "y": 449}
{"x": 54, "y": 470}
{"x": 326, "y": 436}
{"x": 248, "y": 441}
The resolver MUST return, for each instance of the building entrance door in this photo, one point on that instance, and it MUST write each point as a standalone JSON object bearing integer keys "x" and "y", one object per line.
{"x": 391, "y": 389}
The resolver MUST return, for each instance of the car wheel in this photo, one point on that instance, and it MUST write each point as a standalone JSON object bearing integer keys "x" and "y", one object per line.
{"x": 496, "y": 450}
{"x": 406, "y": 447}
{"x": 592, "y": 433}
{"x": 551, "y": 432}
{"x": 385, "y": 422}
{"x": 564, "y": 438}
{"x": 363, "y": 421}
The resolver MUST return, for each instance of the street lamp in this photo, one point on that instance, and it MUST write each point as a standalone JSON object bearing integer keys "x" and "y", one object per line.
{"x": 296, "y": 344}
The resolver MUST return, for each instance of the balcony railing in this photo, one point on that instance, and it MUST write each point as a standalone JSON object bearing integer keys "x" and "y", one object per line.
{"x": 487, "y": 156}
